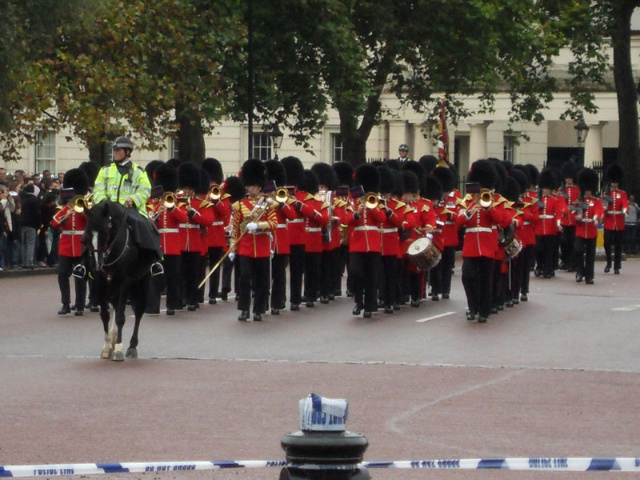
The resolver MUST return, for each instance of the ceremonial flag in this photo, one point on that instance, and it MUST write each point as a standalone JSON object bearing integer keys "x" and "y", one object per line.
{"x": 443, "y": 138}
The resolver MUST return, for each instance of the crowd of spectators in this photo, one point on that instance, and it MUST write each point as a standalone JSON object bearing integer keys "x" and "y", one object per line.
{"x": 27, "y": 205}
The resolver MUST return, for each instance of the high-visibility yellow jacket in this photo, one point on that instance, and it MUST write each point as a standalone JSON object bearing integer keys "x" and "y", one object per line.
{"x": 117, "y": 188}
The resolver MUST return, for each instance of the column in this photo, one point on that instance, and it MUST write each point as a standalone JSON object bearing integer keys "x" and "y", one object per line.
{"x": 478, "y": 140}
{"x": 398, "y": 135}
{"x": 593, "y": 145}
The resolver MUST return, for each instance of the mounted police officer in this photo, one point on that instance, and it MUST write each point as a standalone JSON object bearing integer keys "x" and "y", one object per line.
{"x": 127, "y": 183}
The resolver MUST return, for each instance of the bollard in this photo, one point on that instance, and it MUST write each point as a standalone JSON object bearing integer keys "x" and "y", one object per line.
{"x": 323, "y": 449}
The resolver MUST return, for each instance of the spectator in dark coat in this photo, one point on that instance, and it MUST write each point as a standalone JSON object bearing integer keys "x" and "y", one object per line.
{"x": 30, "y": 223}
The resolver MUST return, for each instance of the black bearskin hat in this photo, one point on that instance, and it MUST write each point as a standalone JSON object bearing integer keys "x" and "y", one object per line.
{"x": 175, "y": 163}
{"x": 394, "y": 164}
{"x": 204, "y": 182}
{"x": 214, "y": 169}
{"x": 309, "y": 182}
{"x": 410, "y": 182}
{"x": 151, "y": 168}
{"x": 344, "y": 171}
{"x": 91, "y": 169}
{"x": 399, "y": 190}
{"x": 570, "y": 170}
{"x": 387, "y": 179}
{"x": 445, "y": 175}
{"x": 534, "y": 174}
{"x": 188, "y": 175}
{"x": 547, "y": 179}
{"x": 415, "y": 167}
{"x": 483, "y": 172}
{"x": 432, "y": 188}
{"x": 276, "y": 172}
{"x": 429, "y": 162}
{"x": 368, "y": 176}
{"x": 294, "y": 169}
{"x": 501, "y": 178}
{"x": 522, "y": 178}
{"x": 614, "y": 173}
{"x": 524, "y": 170}
{"x": 77, "y": 179}
{"x": 253, "y": 172}
{"x": 326, "y": 175}
{"x": 511, "y": 190}
{"x": 588, "y": 181}
{"x": 235, "y": 188}
{"x": 167, "y": 177}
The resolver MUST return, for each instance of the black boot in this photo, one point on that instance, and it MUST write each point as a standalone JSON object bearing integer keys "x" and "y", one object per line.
{"x": 65, "y": 310}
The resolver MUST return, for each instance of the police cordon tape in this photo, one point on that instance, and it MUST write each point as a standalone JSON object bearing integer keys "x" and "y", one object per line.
{"x": 567, "y": 464}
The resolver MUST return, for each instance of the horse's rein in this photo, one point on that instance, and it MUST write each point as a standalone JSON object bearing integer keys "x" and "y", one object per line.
{"x": 113, "y": 243}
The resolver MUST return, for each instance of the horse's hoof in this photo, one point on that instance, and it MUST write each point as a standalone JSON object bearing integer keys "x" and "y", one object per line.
{"x": 106, "y": 354}
{"x": 132, "y": 352}
{"x": 117, "y": 357}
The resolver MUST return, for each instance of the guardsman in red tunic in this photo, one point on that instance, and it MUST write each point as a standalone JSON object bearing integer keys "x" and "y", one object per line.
{"x": 571, "y": 192}
{"x": 410, "y": 221}
{"x": 390, "y": 247}
{"x": 481, "y": 219}
{"x": 616, "y": 208}
{"x": 547, "y": 228}
{"x": 297, "y": 233}
{"x": 448, "y": 213}
{"x": 71, "y": 219}
{"x": 589, "y": 214}
{"x": 281, "y": 250}
{"x": 344, "y": 172}
{"x": 168, "y": 215}
{"x": 205, "y": 208}
{"x": 365, "y": 216}
{"x": 316, "y": 214}
{"x": 216, "y": 238}
{"x": 433, "y": 191}
{"x": 254, "y": 222}
{"x": 233, "y": 189}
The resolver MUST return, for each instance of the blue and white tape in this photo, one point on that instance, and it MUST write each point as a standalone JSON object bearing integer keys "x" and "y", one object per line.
{"x": 567, "y": 464}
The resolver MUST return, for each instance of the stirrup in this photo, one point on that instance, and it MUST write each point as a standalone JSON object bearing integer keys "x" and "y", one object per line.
{"x": 79, "y": 271}
{"x": 157, "y": 269}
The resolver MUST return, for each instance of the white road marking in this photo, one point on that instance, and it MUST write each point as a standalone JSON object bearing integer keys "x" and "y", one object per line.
{"x": 628, "y": 308}
{"x": 422, "y": 320}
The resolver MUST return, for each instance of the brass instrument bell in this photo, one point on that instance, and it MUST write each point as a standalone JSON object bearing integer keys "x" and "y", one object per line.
{"x": 281, "y": 195}
{"x": 486, "y": 198}
{"x": 215, "y": 192}
{"x": 169, "y": 199}
{"x": 371, "y": 200}
{"x": 79, "y": 204}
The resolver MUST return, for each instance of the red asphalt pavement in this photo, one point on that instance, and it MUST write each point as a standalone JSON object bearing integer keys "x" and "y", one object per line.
{"x": 558, "y": 376}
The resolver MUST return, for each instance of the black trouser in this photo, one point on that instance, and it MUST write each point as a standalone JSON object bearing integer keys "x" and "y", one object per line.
{"x": 568, "y": 246}
{"x": 585, "y": 257}
{"x": 389, "y": 279}
{"x": 630, "y": 231}
{"x": 279, "y": 264}
{"x": 65, "y": 268}
{"x": 448, "y": 263}
{"x": 214, "y": 255}
{"x": 477, "y": 279}
{"x": 171, "y": 264}
{"x": 312, "y": 269}
{"x": 517, "y": 265}
{"x": 545, "y": 247}
{"x": 296, "y": 271}
{"x": 435, "y": 279}
{"x": 614, "y": 238}
{"x": 364, "y": 267}
{"x": 328, "y": 266}
{"x": 190, "y": 266}
{"x": 497, "y": 298}
{"x": 528, "y": 254}
{"x": 342, "y": 260}
{"x": 253, "y": 273}
{"x": 228, "y": 267}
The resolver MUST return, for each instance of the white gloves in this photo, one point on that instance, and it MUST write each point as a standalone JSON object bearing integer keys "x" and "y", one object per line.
{"x": 232, "y": 255}
{"x": 252, "y": 227}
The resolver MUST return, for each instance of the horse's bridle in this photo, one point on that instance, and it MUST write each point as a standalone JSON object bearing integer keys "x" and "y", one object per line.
{"x": 110, "y": 247}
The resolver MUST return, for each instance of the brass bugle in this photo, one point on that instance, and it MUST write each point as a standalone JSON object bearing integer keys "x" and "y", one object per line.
{"x": 79, "y": 204}
{"x": 371, "y": 200}
{"x": 215, "y": 192}
{"x": 168, "y": 199}
{"x": 486, "y": 198}
{"x": 281, "y": 195}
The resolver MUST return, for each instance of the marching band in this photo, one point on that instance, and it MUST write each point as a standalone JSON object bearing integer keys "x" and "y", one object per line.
{"x": 392, "y": 227}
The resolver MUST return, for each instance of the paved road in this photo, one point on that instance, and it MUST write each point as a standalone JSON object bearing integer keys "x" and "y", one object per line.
{"x": 557, "y": 376}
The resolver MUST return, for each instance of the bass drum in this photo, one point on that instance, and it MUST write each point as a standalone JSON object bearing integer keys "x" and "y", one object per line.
{"x": 423, "y": 254}
{"x": 512, "y": 249}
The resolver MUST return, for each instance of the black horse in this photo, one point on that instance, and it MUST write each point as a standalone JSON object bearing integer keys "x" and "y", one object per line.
{"x": 120, "y": 271}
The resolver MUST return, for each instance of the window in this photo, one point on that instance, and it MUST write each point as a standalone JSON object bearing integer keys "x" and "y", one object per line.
{"x": 509, "y": 151}
{"x": 337, "y": 149}
{"x": 174, "y": 148}
{"x": 262, "y": 145}
{"x": 45, "y": 151}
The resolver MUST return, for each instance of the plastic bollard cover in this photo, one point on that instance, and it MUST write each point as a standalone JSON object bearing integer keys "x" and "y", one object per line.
{"x": 318, "y": 414}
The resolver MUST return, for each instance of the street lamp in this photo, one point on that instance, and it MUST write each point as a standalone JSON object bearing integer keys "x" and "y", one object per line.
{"x": 582, "y": 129}
{"x": 276, "y": 140}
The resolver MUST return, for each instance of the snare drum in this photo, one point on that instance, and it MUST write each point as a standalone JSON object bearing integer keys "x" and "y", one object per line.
{"x": 424, "y": 254}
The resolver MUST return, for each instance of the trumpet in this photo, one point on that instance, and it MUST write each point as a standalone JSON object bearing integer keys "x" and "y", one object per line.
{"x": 168, "y": 199}
{"x": 486, "y": 198}
{"x": 215, "y": 192}
{"x": 371, "y": 200}
{"x": 281, "y": 195}
{"x": 79, "y": 204}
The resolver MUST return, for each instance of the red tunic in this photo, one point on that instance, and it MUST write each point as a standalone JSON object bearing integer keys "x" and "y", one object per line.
{"x": 168, "y": 223}
{"x": 221, "y": 216}
{"x": 72, "y": 230}
{"x": 550, "y": 214}
{"x": 389, "y": 228}
{"x": 571, "y": 194}
{"x": 617, "y": 207}
{"x": 481, "y": 227}
{"x": 252, "y": 244}
{"x": 202, "y": 217}
{"x": 316, "y": 214}
{"x": 587, "y": 223}
{"x": 365, "y": 236}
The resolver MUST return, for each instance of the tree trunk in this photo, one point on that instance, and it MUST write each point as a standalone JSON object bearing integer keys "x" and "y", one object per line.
{"x": 627, "y": 95}
{"x": 96, "y": 152}
{"x": 191, "y": 146}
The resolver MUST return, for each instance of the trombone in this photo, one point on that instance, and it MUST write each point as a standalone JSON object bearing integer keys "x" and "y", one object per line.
{"x": 281, "y": 195}
{"x": 371, "y": 200}
{"x": 215, "y": 192}
{"x": 168, "y": 199}
{"x": 486, "y": 198}
{"x": 80, "y": 203}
